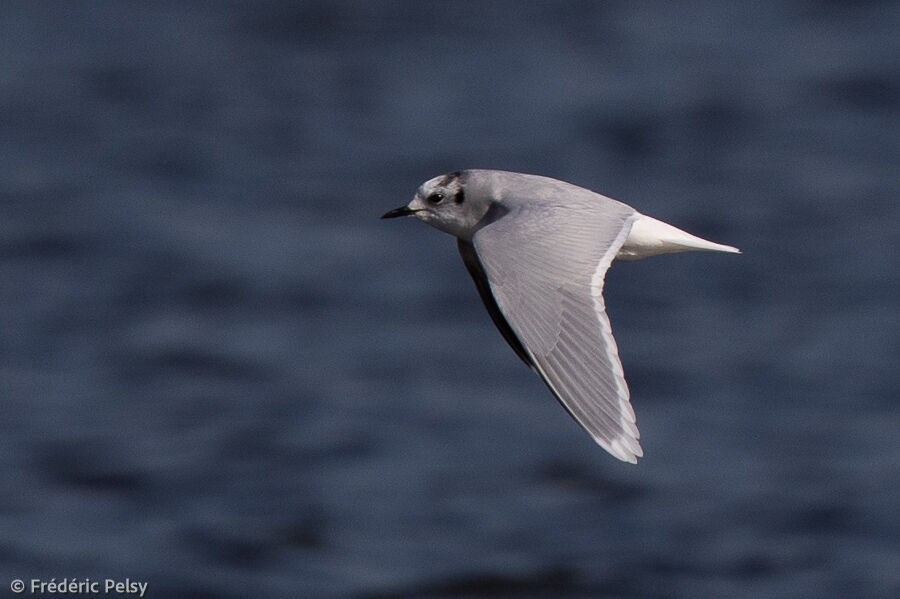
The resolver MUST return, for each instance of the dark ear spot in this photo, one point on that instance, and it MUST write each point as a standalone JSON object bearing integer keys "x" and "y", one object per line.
{"x": 460, "y": 196}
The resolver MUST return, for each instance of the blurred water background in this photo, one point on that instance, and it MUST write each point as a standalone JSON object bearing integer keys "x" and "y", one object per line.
{"x": 221, "y": 374}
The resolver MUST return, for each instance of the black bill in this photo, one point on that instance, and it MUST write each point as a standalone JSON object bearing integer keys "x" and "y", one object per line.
{"x": 404, "y": 211}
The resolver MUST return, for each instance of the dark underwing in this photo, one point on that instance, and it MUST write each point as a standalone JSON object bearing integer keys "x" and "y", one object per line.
{"x": 476, "y": 270}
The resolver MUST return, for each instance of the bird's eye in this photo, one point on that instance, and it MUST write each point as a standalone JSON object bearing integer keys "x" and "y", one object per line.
{"x": 436, "y": 198}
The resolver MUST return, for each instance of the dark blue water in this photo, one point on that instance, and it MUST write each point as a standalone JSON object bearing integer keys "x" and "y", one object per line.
{"x": 221, "y": 374}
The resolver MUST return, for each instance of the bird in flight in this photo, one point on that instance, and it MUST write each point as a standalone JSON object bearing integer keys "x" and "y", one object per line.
{"x": 538, "y": 250}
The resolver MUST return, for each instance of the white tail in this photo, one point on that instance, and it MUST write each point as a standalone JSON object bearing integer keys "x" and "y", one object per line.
{"x": 649, "y": 237}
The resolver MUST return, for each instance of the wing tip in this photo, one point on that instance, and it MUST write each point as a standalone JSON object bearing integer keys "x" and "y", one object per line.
{"x": 626, "y": 449}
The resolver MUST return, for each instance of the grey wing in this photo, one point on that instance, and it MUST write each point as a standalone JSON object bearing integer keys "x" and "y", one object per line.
{"x": 546, "y": 265}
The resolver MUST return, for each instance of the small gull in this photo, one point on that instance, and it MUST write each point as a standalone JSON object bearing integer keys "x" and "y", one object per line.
{"x": 538, "y": 250}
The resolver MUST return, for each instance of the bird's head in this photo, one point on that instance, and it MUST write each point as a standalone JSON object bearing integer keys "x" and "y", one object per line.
{"x": 449, "y": 203}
